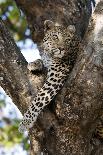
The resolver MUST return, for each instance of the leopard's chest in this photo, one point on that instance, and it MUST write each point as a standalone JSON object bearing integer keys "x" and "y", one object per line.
{"x": 47, "y": 61}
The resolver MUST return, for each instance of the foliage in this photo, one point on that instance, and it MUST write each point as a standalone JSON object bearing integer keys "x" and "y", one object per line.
{"x": 9, "y": 136}
{"x": 2, "y": 103}
{"x": 14, "y": 19}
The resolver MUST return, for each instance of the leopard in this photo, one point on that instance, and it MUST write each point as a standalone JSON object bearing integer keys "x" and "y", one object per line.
{"x": 58, "y": 51}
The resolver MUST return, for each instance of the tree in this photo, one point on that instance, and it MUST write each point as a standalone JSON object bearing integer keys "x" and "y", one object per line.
{"x": 66, "y": 126}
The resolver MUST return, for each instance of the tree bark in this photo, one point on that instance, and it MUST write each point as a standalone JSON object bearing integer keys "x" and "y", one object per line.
{"x": 66, "y": 126}
{"x": 64, "y": 12}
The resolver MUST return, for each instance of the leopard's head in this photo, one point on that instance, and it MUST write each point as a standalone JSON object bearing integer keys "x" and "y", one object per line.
{"x": 57, "y": 39}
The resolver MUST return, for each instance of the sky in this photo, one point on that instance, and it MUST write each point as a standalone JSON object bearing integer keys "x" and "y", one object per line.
{"x": 29, "y": 50}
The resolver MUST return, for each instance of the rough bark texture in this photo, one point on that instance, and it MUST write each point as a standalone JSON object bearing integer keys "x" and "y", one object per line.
{"x": 66, "y": 126}
{"x": 64, "y": 12}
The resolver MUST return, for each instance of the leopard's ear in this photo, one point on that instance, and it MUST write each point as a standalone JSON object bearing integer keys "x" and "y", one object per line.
{"x": 48, "y": 24}
{"x": 71, "y": 29}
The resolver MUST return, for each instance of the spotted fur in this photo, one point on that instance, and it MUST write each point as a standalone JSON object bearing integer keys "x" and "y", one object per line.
{"x": 58, "y": 52}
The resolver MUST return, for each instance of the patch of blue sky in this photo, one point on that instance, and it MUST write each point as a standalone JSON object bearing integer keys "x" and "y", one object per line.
{"x": 29, "y": 50}
{"x": 10, "y": 110}
{"x": 16, "y": 150}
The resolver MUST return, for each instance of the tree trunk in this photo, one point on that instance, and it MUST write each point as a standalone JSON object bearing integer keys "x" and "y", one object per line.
{"x": 66, "y": 126}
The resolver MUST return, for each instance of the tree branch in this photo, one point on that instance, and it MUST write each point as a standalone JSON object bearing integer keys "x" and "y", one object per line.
{"x": 64, "y": 12}
{"x": 14, "y": 76}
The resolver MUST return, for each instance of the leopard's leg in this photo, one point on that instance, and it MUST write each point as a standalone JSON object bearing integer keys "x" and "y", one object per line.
{"x": 57, "y": 74}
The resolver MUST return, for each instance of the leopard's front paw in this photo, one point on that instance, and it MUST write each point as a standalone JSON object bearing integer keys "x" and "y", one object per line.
{"x": 25, "y": 125}
{"x": 37, "y": 65}
{"x": 22, "y": 128}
